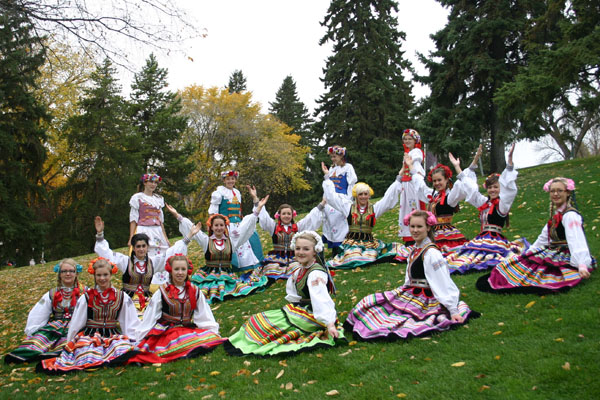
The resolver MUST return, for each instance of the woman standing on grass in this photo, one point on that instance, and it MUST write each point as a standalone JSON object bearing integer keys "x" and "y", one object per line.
{"x": 102, "y": 329}
{"x": 146, "y": 215}
{"x": 558, "y": 259}
{"x": 307, "y": 322}
{"x": 48, "y": 320}
{"x": 489, "y": 247}
{"x": 428, "y": 301}
{"x": 178, "y": 322}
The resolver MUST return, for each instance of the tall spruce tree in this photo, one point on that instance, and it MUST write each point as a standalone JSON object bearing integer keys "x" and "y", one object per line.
{"x": 237, "y": 82}
{"x": 155, "y": 115}
{"x": 367, "y": 101}
{"x": 22, "y": 153}
{"x": 109, "y": 155}
{"x": 477, "y": 52}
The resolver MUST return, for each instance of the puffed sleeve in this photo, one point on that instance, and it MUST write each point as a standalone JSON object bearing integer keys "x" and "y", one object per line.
{"x": 185, "y": 226}
{"x": 469, "y": 186}
{"x": 389, "y": 199}
{"x": 203, "y": 316}
{"x": 245, "y": 230}
{"x": 340, "y": 203}
{"x": 128, "y": 318}
{"x": 152, "y": 313}
{"x": 134, "y": 211}
{"x": 312, "y": 221}
{"x": 421, "y": 188}
{"x": 456, "y": 194}
{"x": 542, "y": 239}
{"x": 580, "y": 253}
{"x": 215, "y": 200}
{"x": 322, "y": 304}
{"x": 39, "y": 314}
{"x": 161, "y": 205}
{"x": 79, "y": 318}
{"x": 102, "y": 248}
{"x": 508, "y": 189}
{"x": 351, "y": 178}
{"x": 438, "y": 277}
{"x": 290, "y": 288}
{"x": 417, "y": 157}
{"x": 265, "y": 221}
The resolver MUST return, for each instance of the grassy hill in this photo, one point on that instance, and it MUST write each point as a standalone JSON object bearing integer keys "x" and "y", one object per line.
{"x": 523, "y": 346}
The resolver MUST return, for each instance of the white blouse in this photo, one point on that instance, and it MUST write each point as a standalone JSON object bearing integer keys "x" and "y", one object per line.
{"x": 453, "y": 195}
{"x": 310, "y": 222}
{"x": 203, "y": 317}
{"x": 39, "y": 314}
{"x": 508, "y": 189}
{"x": 155, "y": 200}
{"x": 242, "y": 234}
{"x": 217, "y": 196}
{"x": 322, "y": 305}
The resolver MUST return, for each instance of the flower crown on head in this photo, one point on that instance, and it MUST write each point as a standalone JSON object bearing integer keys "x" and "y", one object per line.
{"x": 210, "y": 219}
{"x": 169, "y": 267}
{"x": 488, "y": 177}
{"x": 78, "y": 268}
{"x": 91, "y": 269}
{"x": 230, "y": 172}
{"x": 431, "y": 219}
{"x": 413, "y": 134}
{"x": 361, "y": 187}
{"x": 318, "y": 245}
{"x": 150, "y": 178}
{"x": 447, "y": 172}
{"x": 569, "y": 183}
{"x": 340, "y": 151}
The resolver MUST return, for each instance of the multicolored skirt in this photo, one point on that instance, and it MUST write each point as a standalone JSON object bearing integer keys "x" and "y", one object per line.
{"x": 164, "y": 344}
{"x": 219, "y": 286}
{"x": 46, "y": 342}
{"x": 274, "y": 267}
{"x": 401, "y": 314}
{"x": 537, "y": 270}
{"x": 86, "y": 352}
{"x": 486, "y": 251}
{"x": 288, "y": 330}
{"x": 359, "y": 253}
{"x": 448, "y": 238}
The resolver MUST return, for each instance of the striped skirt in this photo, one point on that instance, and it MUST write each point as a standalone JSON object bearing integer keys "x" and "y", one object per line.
{"x": 402, "y": 313}
{"x": 486, "y": 251}
{"x": 448, "y": 238}
{"x": 537, "y": 270}
{"x": 274, "y": 267}
{"x": 86, "y": 352}
{"x": 219, "y": 286}
{"x": 358, "y": 253}
{"x": 164, "y": 344}
{"x": 288, "y": 330}
{"x": 46, "y": 342}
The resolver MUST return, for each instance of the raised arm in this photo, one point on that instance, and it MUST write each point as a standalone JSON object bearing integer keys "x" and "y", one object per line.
{"x": 389, "y": 199}
{"x": 248, "y": 225}
{"x": 508, "y": 184}
{"x": 335, "y": 200}
{"x": 102, "y": 248}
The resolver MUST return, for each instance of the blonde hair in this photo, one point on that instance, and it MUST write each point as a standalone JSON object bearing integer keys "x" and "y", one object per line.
{"x": 68, "y": 261}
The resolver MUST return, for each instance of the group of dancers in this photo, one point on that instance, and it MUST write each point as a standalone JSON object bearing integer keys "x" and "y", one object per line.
{"x": 162, "y": 313}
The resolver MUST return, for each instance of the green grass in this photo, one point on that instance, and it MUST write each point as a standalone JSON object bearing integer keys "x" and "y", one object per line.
{"x": 519, "y": 348}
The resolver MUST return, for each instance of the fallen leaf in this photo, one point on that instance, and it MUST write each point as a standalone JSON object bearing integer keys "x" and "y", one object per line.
{"x": 283, "y": 363}
{"x": 534, "y": 388}
{"x": 356, "y": 385}
{"x": 352, "y": 343}
{"x": 483, "y": 387}
{"x": 566, "y": 366}
{"x": 458, "y": 364}
{"x": 497, "y": 333}
{"x": 530, "y": 304}
{"x": 247, "y": 363}
{"x": 256, "y": 372}
{"x": 280, "y": 374}
{"x": 401, "y": 395}
{"x": 559, "y": 339}
{"x": 311, "y": 382}
{"x": 480, "y": 376}
{"x": 497, "y": 358}
{"x": 208, "y": 396}
{"x": 500, "y": 323}
{"x": 255, "y": 381}
{"x": 289, "y": 386}
{"x": 332, "y": 393}
{"x": 162, "y": 396}
{"x": 222, "y": 393}
{"x": 345, "y": 353}
{"x": 215, "y": 373}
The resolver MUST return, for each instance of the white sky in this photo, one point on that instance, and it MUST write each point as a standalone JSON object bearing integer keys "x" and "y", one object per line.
{"x": 270, "y": 39}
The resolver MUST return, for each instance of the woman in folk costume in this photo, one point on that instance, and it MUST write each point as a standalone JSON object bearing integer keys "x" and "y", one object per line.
{"x": 428, "y": 302}
{"x": 360, "y": 248}
{"x": 227, "y": 201}
{"x": 343, "y": 177}
{"x": 558, "y": 259}
{"x": 442, "y": 201}
{"x": 308, "y": 321}
{"x": 217, "y": 280}
{"x": 489, "y": 247}
{"x": 140, "y": 269}
{"x": 146, "y": 215}
{"x": 48, "y": 320}
{"x": 178, "y": 322}
{"x": 102, "y": 329}
{"x": 280, "y": 262}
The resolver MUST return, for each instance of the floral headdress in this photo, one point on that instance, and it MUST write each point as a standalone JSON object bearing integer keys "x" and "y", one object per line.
{"x": 221, "y": 216}
{"x": 230, "y": 172}
{"x": 361, "y": 187}
{"x": 431, "y": 219}
{"x": 91, "y": 269}
{"x": 447, "y": 172}
{"x": 340, "y": 151}
{"x": 492, "y": 175}
{"x": 569, "y": 183}
{"x": 413, "y": 134}
{"x": 150, "y": 178}
{"x": 294, "y": 213}
{"x": 315, "y": 235}
{"x": 169, "y": 267}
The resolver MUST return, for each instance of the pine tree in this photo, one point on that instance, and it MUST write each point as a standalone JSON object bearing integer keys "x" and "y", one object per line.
{"x": 367, "y": 99}
{"x": 107, "y": 147}
{"x": 22, "y": 153}
{"x": 155, "y": 115}
{"x": 237, "y": 82}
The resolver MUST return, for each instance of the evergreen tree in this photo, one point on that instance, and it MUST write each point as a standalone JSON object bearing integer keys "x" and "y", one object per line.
{"x": 155, "y": 115}
{"x": 22, "y": 153}
{"x": 477, "y": 52}
{"x": 367, "y": 100}
{"x": 237, "y": 82}
{"x": 109, "y": 155}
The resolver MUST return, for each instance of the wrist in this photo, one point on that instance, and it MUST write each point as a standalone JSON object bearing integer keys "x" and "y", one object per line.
{"x": 100, "y": 235}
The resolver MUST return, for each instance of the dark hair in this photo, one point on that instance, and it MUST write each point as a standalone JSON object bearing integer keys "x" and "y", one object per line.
{"x": 136, "y": 238}
{"x": 491, "y": 180}
{"x": 212, "y": 218}
{"x": 424, "y": 215}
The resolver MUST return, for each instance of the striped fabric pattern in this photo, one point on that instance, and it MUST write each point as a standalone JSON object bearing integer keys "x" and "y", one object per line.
{"x": 361, "y": 253}
{"x": 46, "y": 342}
{"x": 217, "y": 286}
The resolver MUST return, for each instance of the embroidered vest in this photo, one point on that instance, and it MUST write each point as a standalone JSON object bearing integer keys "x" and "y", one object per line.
{"x": 360, "y": 226}
{"x": 232, "y": 209}
{"x": 148, "y": 214}
{"x": 302, "y": 282}
{"x": 443, "y": 211}
{"x": 491, "y": 221}
{"x": 556, "y": 229}
{"x": 104, "y": 316}
{"x": 341, "y": 183}
{"x": 216, "y": 258}
{"x": 176, "y": 311}
{"x": 132, "y": 279}
{"x": 415, "y": 268}
{"x": 282, "y": 239}
{"x": 63, "y": 309}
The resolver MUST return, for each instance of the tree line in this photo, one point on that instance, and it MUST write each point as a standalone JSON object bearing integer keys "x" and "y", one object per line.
{"x": 72, "y": 146}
